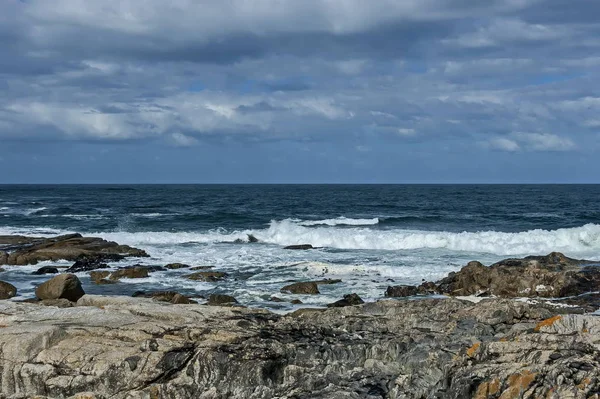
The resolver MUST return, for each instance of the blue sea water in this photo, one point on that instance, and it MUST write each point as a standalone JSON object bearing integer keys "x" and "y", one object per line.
{"x": 370, "y": 236}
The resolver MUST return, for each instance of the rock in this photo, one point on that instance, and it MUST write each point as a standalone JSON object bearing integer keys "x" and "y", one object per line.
{"x": 30, "y": 251}
{"x": 207, "y": 276}
{"x": 65, "y": 286}
{"x": 172, "y": 266}
{"x": 221, "y": 300}
{"x": 59, "y": 303}
{"x": 299, "y": 247}
{"x": 129, "y": 272}
{"x": 349, "y": 300}
{"x": 306, "y": 288}
{"x": 553, "y": 275}
{"x": 7, "y": 290}
{"x": 401, "y": 291}
{"x": 252, "y": 239}
{"x": 201, "y": 267}
{"x": 276, "y": 299}
{"x": 88, "y": 262}
{"x": 121, "y": 347}
{"x": 3, "y": 257}
{"x": 165, "y": 296}
{"x": 328, "y": 281}
{"x": 99, "y": 275}
{"x": 46, "y": 270}
{"x": 296, "y": 302}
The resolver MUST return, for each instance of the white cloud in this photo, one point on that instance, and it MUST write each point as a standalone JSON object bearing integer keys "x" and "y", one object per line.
{"x": 181, "y": 140}
{"x": 544, "y": 141}
{"x": 503, "y": 144}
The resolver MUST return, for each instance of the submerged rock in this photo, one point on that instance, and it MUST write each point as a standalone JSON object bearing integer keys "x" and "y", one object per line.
{"x": 65, "y": 286}
{"x": 7, "y": 290}
{"x": 207, "y": 276}
{"x": 299, "y": 247}
{"x": 31, "y": 250}
{"x": 173, "y": 266}
{"x": 45, "y": 270}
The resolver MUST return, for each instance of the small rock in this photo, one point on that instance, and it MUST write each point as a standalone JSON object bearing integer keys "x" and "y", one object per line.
{"x": 308, "y": 287}
{"x": 207, "y": 276}
{"x": 349, "y": 300}
{"x": 7, "y": 290}
{"x": 3, "y": 257}
{"x": 59, "y": 303}
{"x": 299, "y": 247}
{"x": 275, "y": 299}
{"x": 165, "y": 296}
{"x": 89, "y": 262}
{"x": 46, "y": 270}
{"x": 400, "y": 291}
{"x": 95, "y": 276}
{"x": 296, "y": 302}
{"x": 201, "y": 267}
{"x": 221, "y": 300}
{"x": 252, "y": 239}
{"x": 129, "y": 272}
{"x": 172, "y": 266}
{"x": 65, "y": 286}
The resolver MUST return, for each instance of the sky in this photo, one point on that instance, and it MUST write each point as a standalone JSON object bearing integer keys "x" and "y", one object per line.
{"x": 300, "y": 91}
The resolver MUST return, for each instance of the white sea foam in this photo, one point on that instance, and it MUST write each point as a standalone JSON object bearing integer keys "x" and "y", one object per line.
{"x": 578, "y": 241}
{"x": 343, "y": 221}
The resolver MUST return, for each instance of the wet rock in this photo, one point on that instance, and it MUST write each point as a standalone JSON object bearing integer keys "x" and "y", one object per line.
{"x": 276, "y": 299}
{"x": 46, "y": 270}
{"x": 3, "y": 257}
{"x": 89, "y": 262}
{"x": 207, "y": 276}
{"x": 174, "y": 266}
{"x": 553, "y": 275}
{"x": 59, "y": 303}
{"x": 252, "y": 239}
{"x": 296, "y": 302}
{"x": 65, "y": 286}
{"x": 221, "y": 300}
{"x": 348, "y": 300}
{"x": 7, "y": 290}
{"x": 69, "y": 247}
{"x": 129, "y": 272}
{"x": 328, "y": 281}
{"x": 99, "y": 275}
{"x": 305, "y": 288}
{"x": 201, "y": 267}
{"x": 400, "y": 291}
{"x": 299, "y": 247}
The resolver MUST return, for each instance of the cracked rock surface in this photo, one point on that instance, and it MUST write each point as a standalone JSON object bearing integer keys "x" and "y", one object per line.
{"x": 121, "y": 347}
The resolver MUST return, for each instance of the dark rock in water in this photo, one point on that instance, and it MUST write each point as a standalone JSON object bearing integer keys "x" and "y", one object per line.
{"x": 172, "y": 266}
{"x": 7, "y": 290}
{"x": 201, "y": 267}
{"x": 252, "y": 239}
{"x": 276, "y": 299}
{"x": 165, "y": 296}
{"x": 299, "y": 247}
{"x": 296, "y": 302}
{"x": 349, "y": 300}
{"x": 400, "y": 291}
{"x": 207, "y": 276}
{"x": 46, "y": 270}
{"x": 2, "y": 270}
{"x": 221, "y": 300}
{"x": 68, "y": 247}
{"x": 65, "y": 286}
{"x": 328, "y": 281}
{"x": 3, "y": 257}
{"x": 100, "y": 277}
{"x": 307, "y": 288}
{"x": 86, "y": 263}
{"x": 550, "y": 276}
{"x": 129, "y": 272}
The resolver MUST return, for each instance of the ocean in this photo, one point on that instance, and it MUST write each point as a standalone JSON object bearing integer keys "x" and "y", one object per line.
{"x": 369, "y": 236}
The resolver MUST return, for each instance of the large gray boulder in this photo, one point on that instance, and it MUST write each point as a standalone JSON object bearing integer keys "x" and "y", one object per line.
{"x": 65, "y": 286}
{"x": 7, "y": 290}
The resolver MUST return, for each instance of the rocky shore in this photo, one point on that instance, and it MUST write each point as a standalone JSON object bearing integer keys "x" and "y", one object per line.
{"x": 520, "y": 328}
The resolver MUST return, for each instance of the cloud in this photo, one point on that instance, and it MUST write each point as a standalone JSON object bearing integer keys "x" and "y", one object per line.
{"x": 531, "y": 142}
{"x": 504, "y": 144}
{"x": 181, "y": 140}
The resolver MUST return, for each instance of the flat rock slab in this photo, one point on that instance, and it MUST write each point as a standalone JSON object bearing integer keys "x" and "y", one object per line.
{"x": 31, "y": 250}
{"x": 122, "y": 347}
